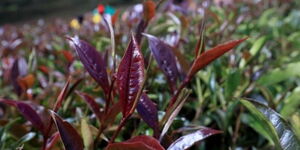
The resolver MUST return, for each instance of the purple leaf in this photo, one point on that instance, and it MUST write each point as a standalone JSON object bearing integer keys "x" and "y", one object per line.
{"x": 92, "y": 104}
{"x": 70, "y": 137}
{"x": 61, "y": 96}
{"x": 148, "y": 111}
{"x": 18, "y": 69}
{"x": 92, "y": 61}
{"x": 165, "y": 59}
{"x": 52, "y": 141}
{"x": 28, "y": 112}
{"x": 130, "y": 76}
{"x": 189, "y": 140}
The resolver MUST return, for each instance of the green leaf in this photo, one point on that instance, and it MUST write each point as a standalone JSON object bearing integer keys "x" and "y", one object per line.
{"x": 291, "y": 103}
{"x": 232, "y": 82}
{"x": 250, "y": 120}
{"x": 86, "y": 134}
{"x": 280, "y": 74}
{"x": 256, "y": 47}
{"x": 277, "y": 128}
{"x": 295, "y": 121}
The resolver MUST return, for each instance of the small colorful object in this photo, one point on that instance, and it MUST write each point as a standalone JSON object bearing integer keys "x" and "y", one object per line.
{"x": 75, "y": 24}
{"x": 109, "y": 10}
{"x": 97, "y": 18}
{"x": 101, "y": 9}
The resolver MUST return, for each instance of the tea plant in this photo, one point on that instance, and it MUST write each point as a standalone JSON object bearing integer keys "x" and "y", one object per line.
{"x": 127, "y": 104}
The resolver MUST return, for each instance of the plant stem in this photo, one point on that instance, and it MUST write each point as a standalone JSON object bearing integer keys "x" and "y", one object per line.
{"x": 119, "y": 129}
{"x": 98, "y": 135}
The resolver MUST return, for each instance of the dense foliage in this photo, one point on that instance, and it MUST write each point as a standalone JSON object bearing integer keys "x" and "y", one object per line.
{"x": 158, "y": 75}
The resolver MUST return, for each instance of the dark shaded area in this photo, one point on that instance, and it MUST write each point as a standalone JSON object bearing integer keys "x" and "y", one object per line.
{"x": 12, "y": 11}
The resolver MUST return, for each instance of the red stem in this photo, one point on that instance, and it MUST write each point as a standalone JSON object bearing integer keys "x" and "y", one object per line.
{"x": 119, "y": 129}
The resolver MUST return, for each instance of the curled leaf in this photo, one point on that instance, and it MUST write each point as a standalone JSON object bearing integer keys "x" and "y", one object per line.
{"x": 137, "y": 143}
{"x": 130, "y": 76}
{"x": 71, "y": 139}
{"x": 189, "y": 140}
{"x": 207, "y": 57}
{"x": 165, "y": 59}
{"x": 92, "y": 61}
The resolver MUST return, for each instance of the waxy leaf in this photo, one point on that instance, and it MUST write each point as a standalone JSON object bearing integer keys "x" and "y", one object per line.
{"x": 92, "y": 61}
{"x": 189, "y": 140}
{"x": 71, "y": 139}
{"x": 92, "y": 104}
{"x": 277, "y": 128}
{"x": 208, "y": 56}
{"x": 137, "y": 143}
{"x": 28, "y": 112}
{"x": 165, "y": 59}
{"x": 148, "y": 111}
{"x": 130, "y": 76}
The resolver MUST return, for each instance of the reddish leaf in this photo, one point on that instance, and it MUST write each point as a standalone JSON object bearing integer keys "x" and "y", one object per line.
{"x": 114, "y": 18}
{"x": 212, "y": 54}
{"x": 28, "y": 112}
{"x": 68, "y": 55}
{"x": 52, "y": 141}
{"x": 165, "y": 59}
{"x": 148, "y": 111}
{"x": 44, "y": 69}
{"x": 92, "y": 61}
{"x": 61, "y": 96}
{"x": 137, "y": 143}
{"x": 189, "y": 140}
{"x": 92, "y": 104}
{"x": 149, "y": 10}
{"x": 26, "y": 82}
{"x": 71, "y": 139}
{"x": 112, "y": 113}
{"x": 130, "y": 76}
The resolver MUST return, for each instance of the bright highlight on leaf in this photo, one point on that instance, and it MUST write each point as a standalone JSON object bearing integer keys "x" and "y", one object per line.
{"x": 92, "y": 61}
{"x": 130, "y": 76}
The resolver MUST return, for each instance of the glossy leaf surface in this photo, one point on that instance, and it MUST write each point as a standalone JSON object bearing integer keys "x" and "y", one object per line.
{"x": 137, "y": 143}
{"x": 189, "y": 140}
{"x": 28, "y": 112}
{"x": 130, "y": 76}
{"x": 165, "y": 59}
{"x": 92, "y": 61}
{"x": 148, "y": 111}
{"x": 70, "y": 138}
{"x": 277, "y": 128}
{"x": 210, "y": 55}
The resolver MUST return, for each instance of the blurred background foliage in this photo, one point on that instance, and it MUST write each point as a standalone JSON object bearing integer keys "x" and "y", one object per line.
{"x": 264, "y": 68}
